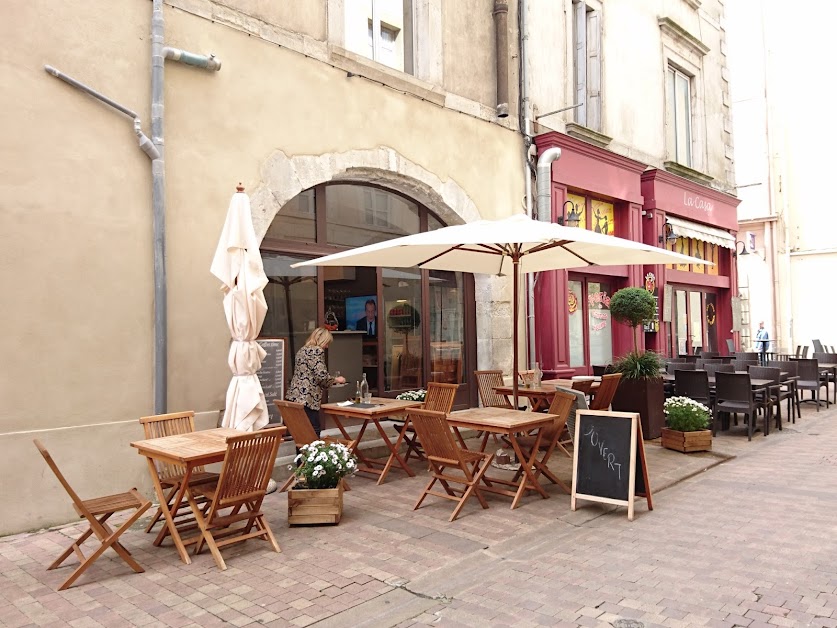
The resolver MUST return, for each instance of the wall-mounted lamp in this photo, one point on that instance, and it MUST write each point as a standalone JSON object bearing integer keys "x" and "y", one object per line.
{"x": 573, "y": 218}
{"x": 745, "y": 250}
{"x": 670, "y": 237}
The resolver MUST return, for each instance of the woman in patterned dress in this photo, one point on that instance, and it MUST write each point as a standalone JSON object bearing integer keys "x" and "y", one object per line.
{"x": 311, "y": 375}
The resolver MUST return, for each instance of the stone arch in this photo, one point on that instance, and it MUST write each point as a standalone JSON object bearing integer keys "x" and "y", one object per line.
{"x": 284, "y": 177}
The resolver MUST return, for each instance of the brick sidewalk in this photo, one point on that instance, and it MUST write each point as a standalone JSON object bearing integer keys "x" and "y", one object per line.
{"x": 747, "y": 543}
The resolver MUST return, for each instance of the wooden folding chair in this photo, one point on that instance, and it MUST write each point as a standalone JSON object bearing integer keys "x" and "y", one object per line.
{"x": 239, "y": 493}
{"x": 299, "y": 425}
{"x": 439, "y": 398}
{"x": 171, "y": 475}
{"x": 605, "y": 392}
{"x": 490, "y": 398}
{"x": 97, "y": 511}
{"x": 561, "y": 405}
{"x": 445, "y": 455}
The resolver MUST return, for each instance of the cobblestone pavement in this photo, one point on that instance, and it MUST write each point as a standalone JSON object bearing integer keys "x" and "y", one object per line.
{"x": 750, "y": 543}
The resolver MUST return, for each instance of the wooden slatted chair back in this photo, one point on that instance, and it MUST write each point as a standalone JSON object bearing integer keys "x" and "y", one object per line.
{"x": 78, "y": 504}
{"x": 561, "y": 405}
{"x": 297, "y": 422}
{"x": 486, "y": 381}
{"x": 584, "y": 385}
{"x": 248, "y": 463}
{"x": 605, "y": 392}
{"x": 440, "y": 397}
{"x": 436, "y": 437}
{"x": 171, "y": 424}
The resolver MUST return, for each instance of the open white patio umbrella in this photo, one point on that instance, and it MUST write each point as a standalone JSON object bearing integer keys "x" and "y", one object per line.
{"x": 238, "y": 264}
{"x": 512, "y": 245}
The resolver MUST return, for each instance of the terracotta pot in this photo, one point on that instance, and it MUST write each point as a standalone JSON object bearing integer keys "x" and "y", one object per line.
{"x": 700, "y": 440}
{"x": 646, "y": 397}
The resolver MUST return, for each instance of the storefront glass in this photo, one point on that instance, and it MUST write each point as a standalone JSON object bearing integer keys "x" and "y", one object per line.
{"x": 696, "y": 321}
{"x": 575, "y": 301}
{"x": 447, "y": 327}
{"x": 291, "y": 295}
{"x": 400, "y": 355}
{"x": 403, "y": 337}
{"x": 681, "y": 314}
{"x": 599, "y": 323}
{"x": 358, "y": 215}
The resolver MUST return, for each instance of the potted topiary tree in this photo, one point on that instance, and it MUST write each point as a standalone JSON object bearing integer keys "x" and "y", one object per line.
{"x": 641, "y": 387}
{"x": 687, "y": 426}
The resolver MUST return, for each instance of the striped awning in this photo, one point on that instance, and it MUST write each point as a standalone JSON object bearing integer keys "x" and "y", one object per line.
{"x": 688, "y": 229}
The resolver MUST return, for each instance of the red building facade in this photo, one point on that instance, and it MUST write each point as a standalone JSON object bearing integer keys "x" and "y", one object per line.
{"x": 618, "y": 196}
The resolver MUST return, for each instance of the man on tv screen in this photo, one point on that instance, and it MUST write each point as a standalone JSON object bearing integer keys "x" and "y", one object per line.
{"x": 369, "y": 323}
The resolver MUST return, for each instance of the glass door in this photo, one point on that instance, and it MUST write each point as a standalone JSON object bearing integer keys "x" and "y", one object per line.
{"x": 590, "y": 325}
{"x": 694, "y": 325}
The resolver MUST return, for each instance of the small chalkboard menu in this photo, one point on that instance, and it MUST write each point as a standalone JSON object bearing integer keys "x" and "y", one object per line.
{"x": 272, "y": 375}
{"x": 609, "y": 459}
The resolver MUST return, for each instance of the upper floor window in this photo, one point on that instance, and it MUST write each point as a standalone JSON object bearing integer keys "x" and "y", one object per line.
{"x": 679, "y": 108}
{"x": 381, "y": 30}
{"x": 587, "y": 63}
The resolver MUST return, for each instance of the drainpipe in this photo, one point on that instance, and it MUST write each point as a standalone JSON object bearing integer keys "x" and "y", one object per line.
{"x": 501, "y": 29}
{"x": 159, "y": 54}
{"x": 545, "y": 182}
{"x": 145, "y": 144}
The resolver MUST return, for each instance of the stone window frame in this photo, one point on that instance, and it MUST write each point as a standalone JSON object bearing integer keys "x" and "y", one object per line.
{"x": 685, "y": 53}
{"x": 425, "y": 55}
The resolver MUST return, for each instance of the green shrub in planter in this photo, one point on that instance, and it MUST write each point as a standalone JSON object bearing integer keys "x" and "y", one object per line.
{"x": 686, "y": 415}
{"x": 636, "y": 365}
{"x": 633, "y": 307}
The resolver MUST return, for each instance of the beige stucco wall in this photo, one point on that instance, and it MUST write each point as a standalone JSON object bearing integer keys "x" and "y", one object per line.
{"x": 77, "y": 215}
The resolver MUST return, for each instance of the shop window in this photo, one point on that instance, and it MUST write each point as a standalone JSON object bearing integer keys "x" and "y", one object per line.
{"x": 600, "y": 217}
{"x": 575, "y": 308}
{"x": 447, "y": 326}
{"x": 599, "y": 323}
{"x": 401, "y": 316}
{"x": 296, "y": 221}
{"x": 699, "y": 252}
{"x": 679, "y": 114}
{"x": 712, "y": 255}
{"x": 587, "y": 63}
{"x": 359, "y": 215}
{"x": 291, "y": 295}
{"x": 681, "y": 245}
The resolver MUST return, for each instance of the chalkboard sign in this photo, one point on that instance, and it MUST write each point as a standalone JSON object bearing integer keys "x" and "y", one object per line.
{"x": 609, "y": 459}
{"x": 272, "y": 375}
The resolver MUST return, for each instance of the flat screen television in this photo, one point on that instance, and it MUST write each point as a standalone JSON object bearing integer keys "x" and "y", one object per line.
{"x": 356, "y": 312}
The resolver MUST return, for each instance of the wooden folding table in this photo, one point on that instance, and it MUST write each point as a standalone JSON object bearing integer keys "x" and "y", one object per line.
{"x": 509, "y": 423}
{"x": 188, "y": 450}
{"x": 380, "y": 409}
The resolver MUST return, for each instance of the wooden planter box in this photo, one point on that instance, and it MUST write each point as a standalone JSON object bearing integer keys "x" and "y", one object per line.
{"x": 686, "y": 442}
{"x": 315, "y": 506}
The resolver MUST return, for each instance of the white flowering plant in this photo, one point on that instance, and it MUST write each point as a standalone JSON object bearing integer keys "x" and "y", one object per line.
{"x": 323, "y": 464}
{"x": 413, "y": 395}
{"x": 686, "y": 415}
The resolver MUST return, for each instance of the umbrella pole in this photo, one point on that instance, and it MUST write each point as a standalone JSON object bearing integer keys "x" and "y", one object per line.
{"x": 514, "y": 330}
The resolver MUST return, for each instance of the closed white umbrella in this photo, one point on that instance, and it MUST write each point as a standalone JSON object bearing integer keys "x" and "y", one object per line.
{"x": 512, "y": 245}
{"x": 238, "y": 264}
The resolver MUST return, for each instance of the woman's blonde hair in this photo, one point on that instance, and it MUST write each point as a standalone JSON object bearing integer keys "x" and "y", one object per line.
{"x": 320, "y": 337}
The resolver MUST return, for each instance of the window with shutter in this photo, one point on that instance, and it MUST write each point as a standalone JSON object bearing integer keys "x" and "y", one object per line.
{"x": 679, "y": 116}
{"x": 587, "y": 64}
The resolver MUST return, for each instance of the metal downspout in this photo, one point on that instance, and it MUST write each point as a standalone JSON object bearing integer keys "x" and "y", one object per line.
{"x": 158, "y": 193}
{"x": 501, "y": 30}
{"x": 158, "y": 201}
